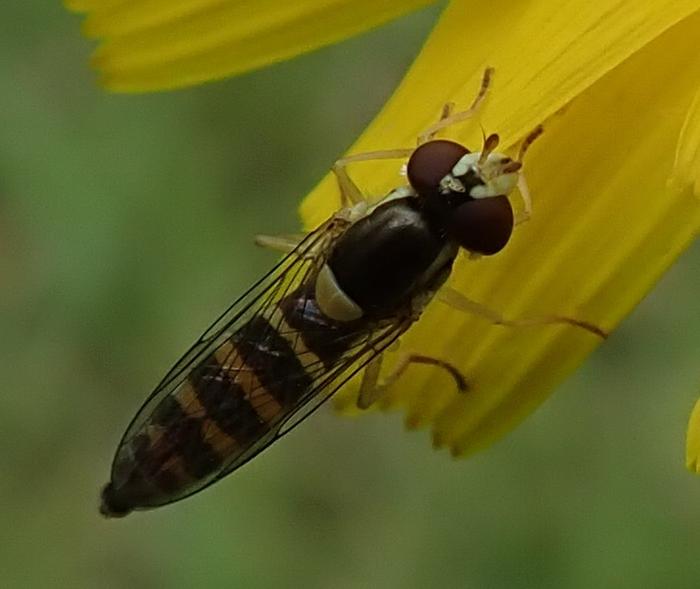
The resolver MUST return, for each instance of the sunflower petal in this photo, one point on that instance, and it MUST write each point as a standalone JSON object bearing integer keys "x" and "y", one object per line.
{"x": 160, "y": 44}
{"x": 607, "y": 221}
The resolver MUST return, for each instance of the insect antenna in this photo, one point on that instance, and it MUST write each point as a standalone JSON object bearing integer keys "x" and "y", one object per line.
{"x": 490, "y": 143}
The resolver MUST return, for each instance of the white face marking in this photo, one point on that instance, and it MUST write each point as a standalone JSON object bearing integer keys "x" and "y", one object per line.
{"x": 451, "y": 184}
{"x": 465, "y": 163}
{"x": 500, "y": 185}
{"x": 496, "y": 182}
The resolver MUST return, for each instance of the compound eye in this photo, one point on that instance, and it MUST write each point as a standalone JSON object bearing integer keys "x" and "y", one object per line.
{"x": 483, "y": 226}
{"x": 431, "y": 162}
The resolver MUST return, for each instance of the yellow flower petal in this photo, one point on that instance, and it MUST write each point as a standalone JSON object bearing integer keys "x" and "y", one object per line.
{"x": 687, "y": 166}
{"x": 622, "y": 227}
{"x": 553, "y": 52}
{"x": 692, "y": 447}
{"x": 613, "y": 206}
{"x": 161, "y": 44}
{"x": 607, "y": 222}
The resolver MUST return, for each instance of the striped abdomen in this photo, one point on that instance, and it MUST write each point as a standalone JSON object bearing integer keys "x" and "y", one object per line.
{"x": 229, "y": 401}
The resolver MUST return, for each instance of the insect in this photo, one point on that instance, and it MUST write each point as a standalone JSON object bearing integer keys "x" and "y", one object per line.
{"x": 342, "y": 295}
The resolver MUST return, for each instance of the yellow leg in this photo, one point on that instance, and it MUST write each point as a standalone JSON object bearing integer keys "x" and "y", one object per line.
{"x": 458, "y": 301}
{"x": 351, "y": 195}
{"x": 285, "y": 243}
{"x": 449, "y": 118}
{"x": 371, "y": 389}
{"x": 527, "y": 201}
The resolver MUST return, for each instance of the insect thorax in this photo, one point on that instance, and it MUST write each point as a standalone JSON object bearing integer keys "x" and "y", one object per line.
{"x": 386, "y": 259}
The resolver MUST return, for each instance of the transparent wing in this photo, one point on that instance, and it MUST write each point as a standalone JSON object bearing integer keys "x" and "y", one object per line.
{"x": 372, "y": 342}
{"x": 294, "y": 267}
{"x": 237, "y": 349}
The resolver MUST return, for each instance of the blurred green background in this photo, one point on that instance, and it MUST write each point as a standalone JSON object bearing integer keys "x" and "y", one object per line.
{"x": 125, "y": 227}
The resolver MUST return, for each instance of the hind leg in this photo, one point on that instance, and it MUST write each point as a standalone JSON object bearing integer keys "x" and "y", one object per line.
{"x": 373, "y": 389}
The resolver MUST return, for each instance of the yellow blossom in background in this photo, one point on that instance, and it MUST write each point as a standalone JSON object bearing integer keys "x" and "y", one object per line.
{"x": 615, "y": 178}
{"x": 159, "y": 44}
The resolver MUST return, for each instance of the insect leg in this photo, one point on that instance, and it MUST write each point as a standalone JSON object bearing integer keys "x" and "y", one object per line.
{"x": 527, "y": 201}
{"x": 522, "y": 183}
{"x": 350, "y": 194}
{"x": 458, "y": 301}
{"x": 449, "y": 118}
{"x": 371, "y": 389}
{"x": 282, "y": 243}
{"x": 370, "y": 383}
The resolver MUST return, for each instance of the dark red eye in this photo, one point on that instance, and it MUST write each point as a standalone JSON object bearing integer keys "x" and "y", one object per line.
{"x": 431, "y": 162}
{"x": 484, "y": 225}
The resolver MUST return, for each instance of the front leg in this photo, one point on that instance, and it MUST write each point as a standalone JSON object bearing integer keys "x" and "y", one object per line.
{"x": 350, "y": 194}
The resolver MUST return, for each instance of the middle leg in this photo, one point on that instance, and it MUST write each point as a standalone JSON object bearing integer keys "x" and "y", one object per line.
{"x": 457, "y": 300}
{"x": 350, "y": 194}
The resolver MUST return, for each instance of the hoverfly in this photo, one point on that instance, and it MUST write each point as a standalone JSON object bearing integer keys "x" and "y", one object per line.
{"x": 341, "y": 296}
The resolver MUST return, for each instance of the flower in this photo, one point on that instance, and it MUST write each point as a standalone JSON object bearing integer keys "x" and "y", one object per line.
{"x": 615, "y": 178}
{"x": 154, "y": 45}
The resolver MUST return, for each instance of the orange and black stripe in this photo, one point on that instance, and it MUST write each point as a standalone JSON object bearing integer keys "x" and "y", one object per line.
{"x": 183, "y": 438}
{"x": 230, "y": 400}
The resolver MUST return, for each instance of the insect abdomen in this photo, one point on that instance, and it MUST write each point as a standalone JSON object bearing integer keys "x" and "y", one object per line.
{"x": 228, "y": 401}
